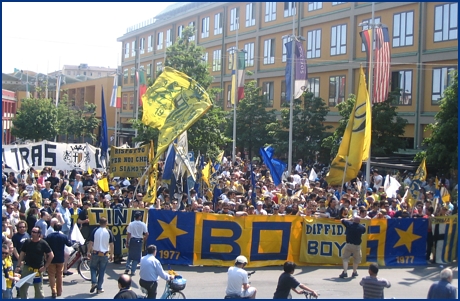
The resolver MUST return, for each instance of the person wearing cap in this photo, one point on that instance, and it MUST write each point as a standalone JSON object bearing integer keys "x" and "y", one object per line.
{"x": 373, "y": 286}
{"x": 354, "y": 232}
{"x": 237, "y": 281}
{"x": 259, "y": 209}
{"x": 287, "y": 282}
{"x": 443, "y": 289}
{"x": 137, "y": 234}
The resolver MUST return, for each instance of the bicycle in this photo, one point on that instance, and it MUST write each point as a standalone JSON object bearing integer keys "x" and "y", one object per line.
{"x": 79, "y": 255}
{"x": 309, "y": 295}
{"x": 172, "y": 289}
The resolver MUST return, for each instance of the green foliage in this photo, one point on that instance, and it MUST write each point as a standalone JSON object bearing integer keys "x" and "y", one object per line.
{"x": 76, "y": 121}
{"x": 387, "y": 127}
{"x": 308, "y": 128}
{"x": 252, "y": 119}
{"x": 207, "y": 134}
{"x": 36, "y": 120}
{"x": 442, "y": 150}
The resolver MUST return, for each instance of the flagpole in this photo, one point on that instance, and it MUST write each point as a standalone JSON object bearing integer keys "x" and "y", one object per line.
{"x": 138, "y": 64}
{"x": 235, "y": 61}
{"x": 47, "y": 71}
{"x": 371, "y": 94}
{"x": 291, "y": 104}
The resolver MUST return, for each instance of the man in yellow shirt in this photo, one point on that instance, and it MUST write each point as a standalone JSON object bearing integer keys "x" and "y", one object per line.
{"x": 8, "y": 272}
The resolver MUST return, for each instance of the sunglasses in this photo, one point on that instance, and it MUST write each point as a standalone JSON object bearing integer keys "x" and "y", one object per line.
{"x": 36, "y": 232}
{"x": 5, "y": 253}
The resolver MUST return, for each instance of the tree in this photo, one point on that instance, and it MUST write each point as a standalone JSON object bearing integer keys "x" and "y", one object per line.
{"x": 387, "y": 126}
{"x": 252, "y": 119}
{"x": 308, "y": 127}
{"x": 36, "y": 120}
{"x": 442, "y": 150}
{"x": 207, "y": 134}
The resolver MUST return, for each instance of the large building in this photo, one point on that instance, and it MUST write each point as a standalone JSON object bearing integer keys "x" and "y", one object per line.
{"x": 9, "y": 108}
{"x": 423, "y": 38}
{"x": 84, "y": 72}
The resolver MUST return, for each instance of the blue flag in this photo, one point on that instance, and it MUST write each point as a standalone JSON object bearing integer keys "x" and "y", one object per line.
{"x": 253, "y": 185}
{"x": 104, "y": 138}
{"x": 275, "y": 166}
{"x": 169, "y": 163}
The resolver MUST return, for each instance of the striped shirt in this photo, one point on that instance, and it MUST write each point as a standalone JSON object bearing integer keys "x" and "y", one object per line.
{"x": 373, "y": 287}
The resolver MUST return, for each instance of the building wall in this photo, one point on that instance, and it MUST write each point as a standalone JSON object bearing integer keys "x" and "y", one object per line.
{"x": 9, "y": 109}
{"x": 417, "y": 55}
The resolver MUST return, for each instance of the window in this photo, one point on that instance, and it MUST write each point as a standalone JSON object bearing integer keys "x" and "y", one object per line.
{"x": 205, "y": 27}
{"x": 337, "y": 3}
{"x": 192, "y": 25}
{"x": 366, "y": 27}
{"x": 150, "y": 44}
{"x": 133, "y": 48}
{"x": 141, "y": 45}
{"x": 284, "y": 57}
{"x": 445, "y": 22}
{"x": 336, "y": 90}
{"x": 229, "y": 96}
{"x": 402, "y": 80}
{"x": 131, "y": 101}
{"x": 205, "y": 58}
{"x": 270, "y": 11}
{"x": 315, "y": 6}
{"x": 250, "y": 14}
{"x": 125, "y": 76}
{"x": 283, "y": 91}
{"x": 216, "y": 60}
{"x": 180, "y": 29}
{"x": 313, "y": 86}
{"x": 160, "y": 41}
{"x": 314, "y": 44}
{"x": 234, "y": 18}
{"x": 249, "y": 55}
{"x": 289, "y": 9}
{"x": 126, "y": 50}
{"x": 441, "y": 79}
{"x": 269, "y": 51}
{"x": 218, "y": 24}
{"x": 125, "y": 102}
{"x": 159, "y": 67}
{"x": 168, "y": 38}
{"x": 268, "y": 93}
{"x": 149, "y": 70}
{"x": 403, "y": 29}
{"x": 133, "y": 71}
{"x": 339, "y": 40}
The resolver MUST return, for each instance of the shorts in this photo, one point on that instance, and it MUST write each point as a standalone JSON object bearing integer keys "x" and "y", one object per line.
{"x": 248, "y": 293}
{"x": 350, "y": 250}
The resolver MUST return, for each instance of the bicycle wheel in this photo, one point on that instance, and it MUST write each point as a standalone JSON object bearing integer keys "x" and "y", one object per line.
{"x": 176, "y": 295}
{"x": 84, "y": 269}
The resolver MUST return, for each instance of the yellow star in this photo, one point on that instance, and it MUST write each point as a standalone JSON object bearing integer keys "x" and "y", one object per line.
{"x": 406, "y": 237}
{"x": 170, "y": 231}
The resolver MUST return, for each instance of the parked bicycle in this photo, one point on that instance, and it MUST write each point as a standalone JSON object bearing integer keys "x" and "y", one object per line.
{"x": 79, "y": 255}
{"x": 173, "y": 288}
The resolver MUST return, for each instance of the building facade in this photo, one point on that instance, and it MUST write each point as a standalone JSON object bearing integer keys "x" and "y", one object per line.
{"x": 9, "y": 108}
{"x": 423, "y": 39}
{"x": 85, "y": 72}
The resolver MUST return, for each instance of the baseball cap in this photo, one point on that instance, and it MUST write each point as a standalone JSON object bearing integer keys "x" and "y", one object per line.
{"x": 369, "y": 189}
{"x": 112, "y": 188}
{"x": 259, "y": 203}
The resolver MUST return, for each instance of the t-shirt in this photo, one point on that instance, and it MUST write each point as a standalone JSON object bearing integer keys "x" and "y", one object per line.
{"x": 373, "y": 287}
{"x": 35, "y": 253}
{"x": 57, "y": 241}
{"x": 286, "y": 282}
{"x": 126, "y": 294}
{"x": 19, "y": 239}
{"x": 236, "y": 278}
{"x": 353, "y": 232}
{"x": 8, "y": 271}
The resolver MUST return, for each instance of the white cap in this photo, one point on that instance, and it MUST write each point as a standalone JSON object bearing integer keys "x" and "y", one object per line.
{"x": 241, "y": 259}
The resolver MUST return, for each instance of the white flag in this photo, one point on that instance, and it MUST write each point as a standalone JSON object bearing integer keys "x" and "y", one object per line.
{"x": 113, "y": 99}
{"x": 76, "y": 235}
{"x": 27, "y": 279}
{"x": 312, "y": 176}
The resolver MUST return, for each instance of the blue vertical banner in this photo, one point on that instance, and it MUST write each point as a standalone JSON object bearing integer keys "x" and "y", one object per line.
{"x": 104, "y": 138}
{"x": 300, "y": 70}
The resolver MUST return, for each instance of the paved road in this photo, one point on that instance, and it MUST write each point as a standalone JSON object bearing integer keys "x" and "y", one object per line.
{"x": 210, "y": 282}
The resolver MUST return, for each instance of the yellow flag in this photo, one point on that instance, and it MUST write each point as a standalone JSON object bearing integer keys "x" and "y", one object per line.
{"x": 206, "y": 173}
{"x": 356, "y": 139}
{"x": 151, "y": 194}
{"x": 103, "y": 184}
{"x": 90, "y": 171}
{"x": 445, "y": 195}
{"x": 416, "y": 184}
{"x": 220, "y": 157}
{"x": 234, "y": 83}
{"x": 172, "y": 105}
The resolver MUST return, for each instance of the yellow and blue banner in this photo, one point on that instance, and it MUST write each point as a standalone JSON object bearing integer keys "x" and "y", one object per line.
{"x": 216, "y": 240}
{"x": 445, "y": 236}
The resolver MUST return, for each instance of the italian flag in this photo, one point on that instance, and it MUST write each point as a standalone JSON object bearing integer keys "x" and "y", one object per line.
{"x": 238, "y": 77}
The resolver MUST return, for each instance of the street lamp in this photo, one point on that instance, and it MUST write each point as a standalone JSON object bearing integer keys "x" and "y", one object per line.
{"x": 291, "y": 104}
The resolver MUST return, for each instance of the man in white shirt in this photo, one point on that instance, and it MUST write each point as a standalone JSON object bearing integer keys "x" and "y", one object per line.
{"x": 137, "y": 232}
{"x": 99, "y": 248}
{"x": 378, "y": 179}
{"x": 151, "y": 270}
{"x": 298, "y": 167}
{"x": 237, "y": 281}
{"x": 259, "y": 210}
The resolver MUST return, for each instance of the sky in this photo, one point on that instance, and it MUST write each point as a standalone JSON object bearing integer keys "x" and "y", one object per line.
{"x": 43, "y": 37}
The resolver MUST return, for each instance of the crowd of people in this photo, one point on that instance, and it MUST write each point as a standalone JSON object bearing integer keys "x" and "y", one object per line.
{"x": 38, "y": 204}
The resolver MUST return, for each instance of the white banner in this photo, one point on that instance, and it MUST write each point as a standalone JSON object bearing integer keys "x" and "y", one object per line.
{"x": 60, "y": 156}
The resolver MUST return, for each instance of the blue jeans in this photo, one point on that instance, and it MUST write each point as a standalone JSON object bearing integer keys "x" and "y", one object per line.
{"x": 98, "y": 265}
{"x": 7, "y": 294}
